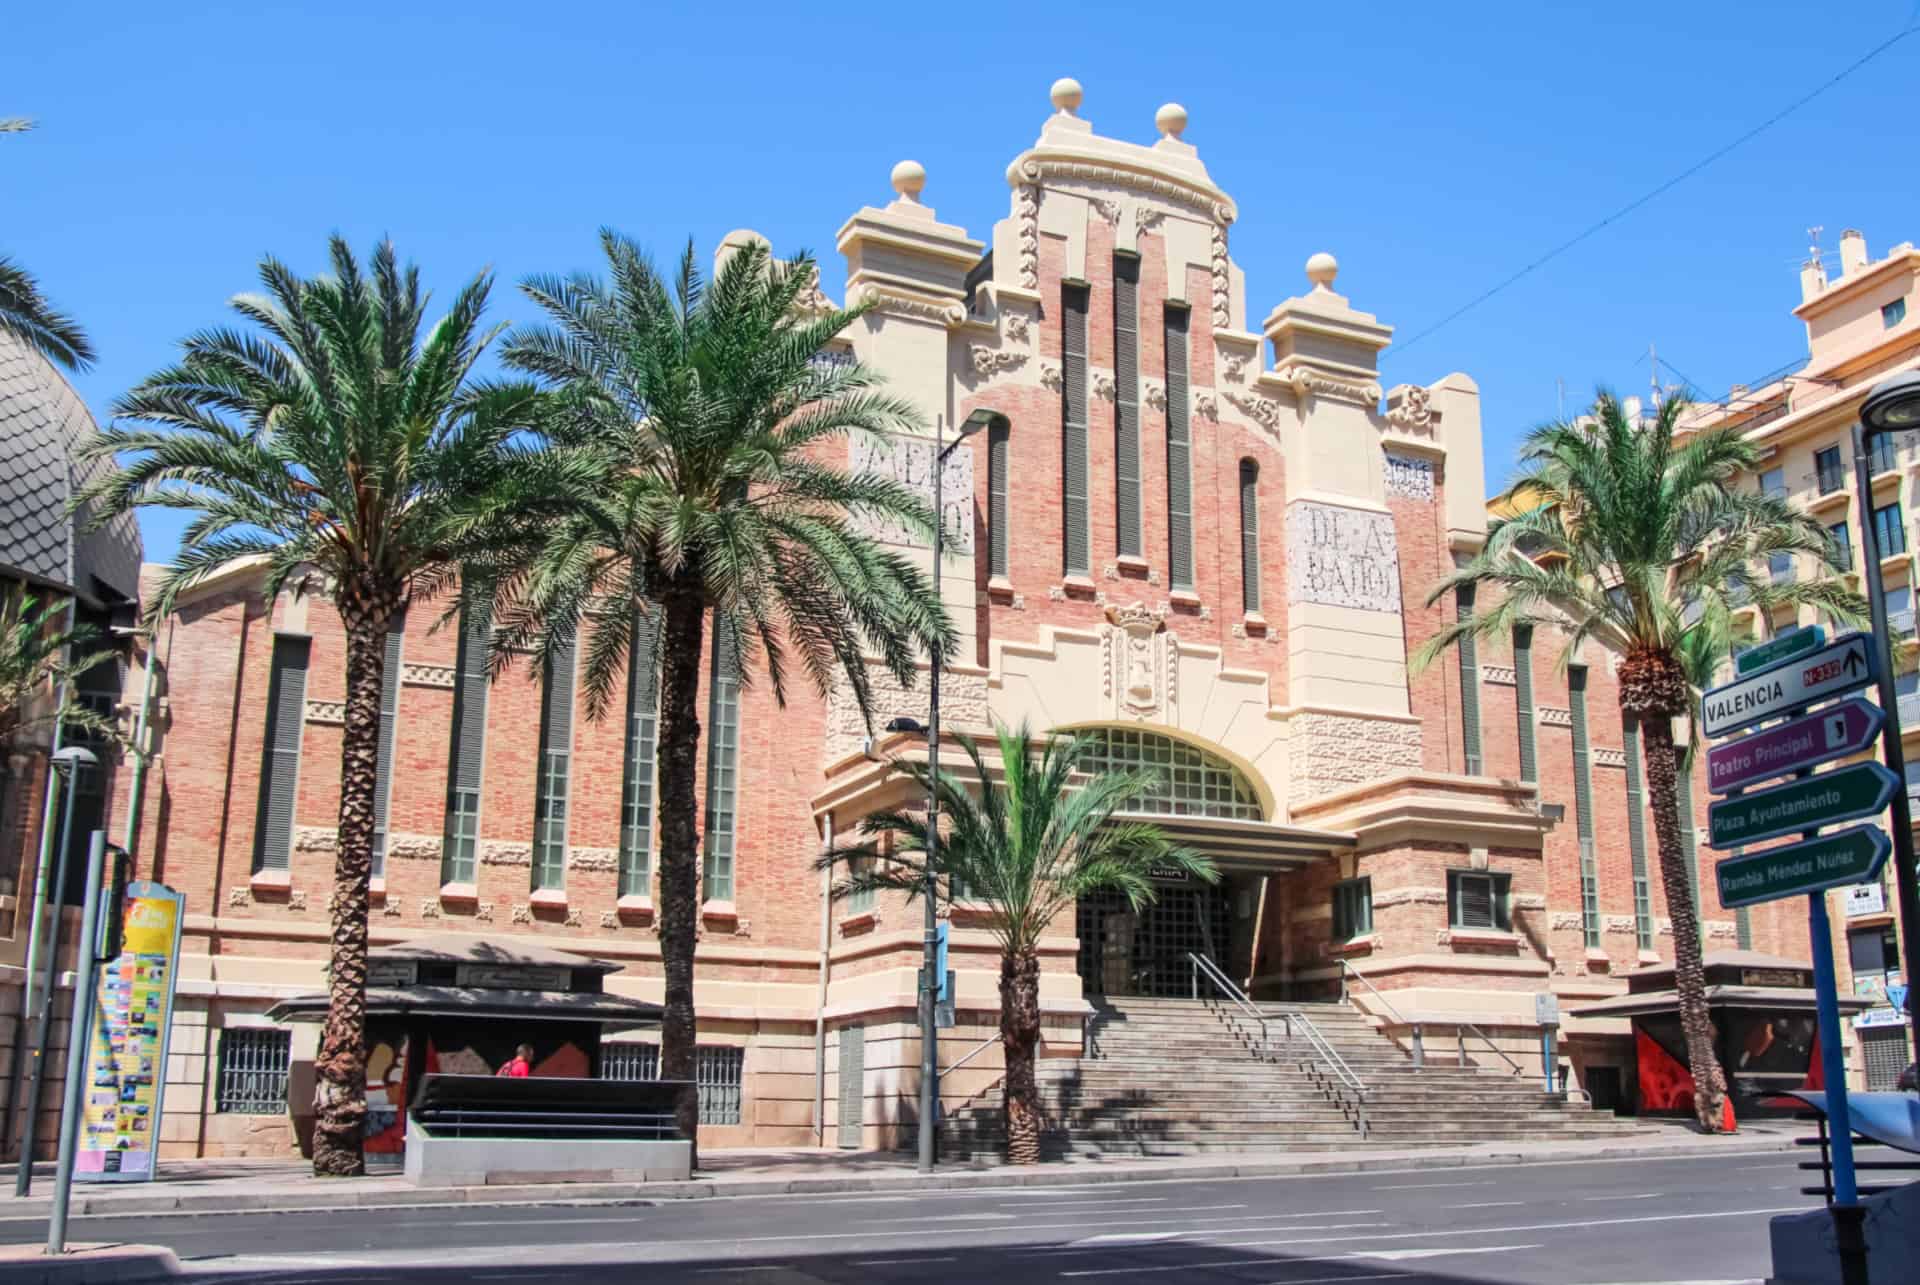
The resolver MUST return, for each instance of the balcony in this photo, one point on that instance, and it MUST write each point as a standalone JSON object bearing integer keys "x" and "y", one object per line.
{"x": 1908, "y": 708}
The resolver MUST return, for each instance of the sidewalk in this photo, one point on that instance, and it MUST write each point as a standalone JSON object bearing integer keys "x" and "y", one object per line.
{"x": 260, "y": 1186}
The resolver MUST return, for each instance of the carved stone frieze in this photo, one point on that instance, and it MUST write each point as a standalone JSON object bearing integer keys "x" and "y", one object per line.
{"x": 573, "y": 918}
{"x": 522, "y": 913}
{"x": 601, "y": 859}
{"x": 1016, "y": 327}
{"x": 429, "y": 907}
{"x": 1146, "y": 218}
{"x": 505, "y": 852}
{"x": 1233, "y": 367}
{"x": 326, "y": 712}
{"x": 484, "y": 911}
{"x": 1619, "y": 924}
{"x": 963, "y": 702}
{"x": 1411, "y": 409}
{"x": 989, "y": 361}
{"x": 1606, "y": 756}
{"x": 1103, "y": 384}
{"x": 948, "y": 312}
{"x": 416, "y": 674}
{"x": 1026, "y": 202}
{"x": 1154, "y": 394}
{"x": 1330, "y": 752}
{"x": 1499, "y": 675}
{"x": 239, "y": 897}
{"x": 1566, "y": 921}
{"x": 315, "y": 838}
{"x": 1321, "y": 383}
{"x": 1035, "y": 170}
{"x": 1261, "y": 410}
{"x": 390, "y": 910}
{"x": 1106, "y": 209}
{"x": 609, "y": 919}
{"x": 1138, "y": 660}
{"x": 1555, "y": 716}
{"x": 1530, "y": 901}
{"x": 1222, "y": 278}
{"x": 1206, "y": 405}
{"x": 1050, "y": 376}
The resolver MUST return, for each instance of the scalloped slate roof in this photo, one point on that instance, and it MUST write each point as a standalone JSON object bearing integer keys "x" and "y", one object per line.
{"x": 42, "y": 420}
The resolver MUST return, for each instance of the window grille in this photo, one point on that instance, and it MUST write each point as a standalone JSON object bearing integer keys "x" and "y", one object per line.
{"x": 1074, "y": 512}
{"x": 997, "y": 443}
{"x": 636, "y": 803}
{"x": 1583, "y": 805}
{"x": 718, "y": 1071}
{"x": 1126, "y": 411}
{"x": 1689, "y": 834}
{"x": 1188, "y": 780}
{"x": 723, "y": 757}
{"x": 556, "y": 745}
{"x": 1637, "y": 832}
{"x": 1469, "y": 657}
{"x": 1352, "y": 908}
{"x": 1827, "y": 471}
{"x": 1885, "y": 1048}
{"x": 1523, "y": 701}
{"x": 1478, "y": 899}
{"x": 1179, "y": 454}
{"x": 459, "y": 853}
{"x": 1250, "y": 535}
{"x": 389, "y": 720}
{"x": 279, "y": 780}
{"x": 254, "y": 1061}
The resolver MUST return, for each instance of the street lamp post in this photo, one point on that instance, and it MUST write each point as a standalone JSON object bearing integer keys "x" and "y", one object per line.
{"x": 1892, "y": 407}
{"x": 930, "y": 945}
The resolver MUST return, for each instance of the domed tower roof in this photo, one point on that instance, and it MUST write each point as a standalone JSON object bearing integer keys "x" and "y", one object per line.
{"x": 42, "y": 423}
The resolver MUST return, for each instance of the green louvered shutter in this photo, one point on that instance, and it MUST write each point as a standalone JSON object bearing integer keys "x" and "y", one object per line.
{"x": 459, "y": 854}
{"x": 723, "y": 763}
{"x": 280, "y": 777}
{"x": 1637, "y": 832}
{"x": 1126, "y": 416}
{"x": 1074, "y": 512}
{"x": 997, "y": 444}
{"x": 556, "y": 747}
{"x": 1179, "y": 455}
{"x": 1689, "y": 835}
{"x": 636, "y": 809}
{"x": 1583, "y": 804}
{"x": 1250, "y": 535}
{"x": 1523, "y": 702}
{"x": 389, "y": 722}
{"x": 1469, "y": 682}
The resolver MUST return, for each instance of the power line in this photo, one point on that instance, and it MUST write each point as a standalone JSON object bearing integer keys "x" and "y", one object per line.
{"x": 1664, "y": 188}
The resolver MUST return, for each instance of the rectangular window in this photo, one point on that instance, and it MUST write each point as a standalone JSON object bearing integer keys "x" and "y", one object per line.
{"x": 1774, "y": 482}
{"x": 1892, "y": 314}
{"x": 280, "y": 762}
{"x": 1469, "y": 682}
{"x": 723, "y": 762}
{"x": 862, "y": 900}
{"x": 254, "y": 1062}
{"x": 1126, "y": 408}
{"x": 717, "y": 1070}
{"x": 1900, "y": 611}
{"x": 1637, "y": 832}
{"x": 636, "y": 797}
{"x": 1583, "y": 804}
{"x": 997, "y": 444}
{"x": 1076, "y": 557}
{"x": 1250, "y": 536}
{"x": 1352, "y": 908}
{"x": 1881, "y": 454}
{"x": 1179, "y": 455}
{"x": 1826, "y": 470}
{"x": 1780, "y": 568}
{"x": 1872, "y": 951}
{"x": 551, "y": 783}
{"x": 460, "y": 849}
{"x": 1840, "y": 540}
{"x": 1523, "y": 701}
{"x": 1890, "y": 529}
{"x": 1478, "y": 899}
{"x": 389, "y": 721}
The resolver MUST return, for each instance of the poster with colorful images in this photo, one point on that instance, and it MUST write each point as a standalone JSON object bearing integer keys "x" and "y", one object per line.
{"x": 127, "y": 1050}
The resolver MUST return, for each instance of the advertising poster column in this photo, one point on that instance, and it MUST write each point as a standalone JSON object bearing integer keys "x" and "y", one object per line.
{"x": 127, "y": 1048}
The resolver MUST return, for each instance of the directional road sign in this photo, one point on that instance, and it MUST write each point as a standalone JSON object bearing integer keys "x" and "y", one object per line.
{"x": 1773, "y": 651}
{"x": 1836, "y": 669}
{"x": 1830, "y": 861}
{"x": 1844, "y": 794}
{"x": 1830, "y": 733}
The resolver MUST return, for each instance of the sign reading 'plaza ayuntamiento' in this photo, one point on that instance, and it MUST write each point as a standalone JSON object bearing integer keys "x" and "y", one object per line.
{"x": 1845, "y": 794}
{"x": 1342, "y": 557}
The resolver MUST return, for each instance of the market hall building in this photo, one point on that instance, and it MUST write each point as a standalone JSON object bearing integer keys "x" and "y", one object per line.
{"x": 1195, "y": 528}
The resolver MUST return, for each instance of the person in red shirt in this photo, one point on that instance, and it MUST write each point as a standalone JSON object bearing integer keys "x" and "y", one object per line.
{"x": 521, "y": 1064}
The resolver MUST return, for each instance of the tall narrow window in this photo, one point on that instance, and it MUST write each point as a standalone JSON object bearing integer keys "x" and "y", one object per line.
{"x": 1583, "y": 805}
{"x": 997, "y": 548}
{"x": 280, "y": 766}
{"x": 723, "y": 765}
{"x": 1126, "y": 411}
{"x": 1250, "y": 536}
{"x": 636, "y": 797}
{"x": 389, "y": 721}
{"x": 1523, "y": 701}
{"x": 1179, "y": 455}
{"x": 1076, "y": 557}
{"x": 460, "y": 850}
{"x": 1469, "y": 682}
{"x": 556, "y": 748}
{"x": 1889, "y": 528}
{"x": 1637, "y": 833}
{"x": 1689, "y": 835}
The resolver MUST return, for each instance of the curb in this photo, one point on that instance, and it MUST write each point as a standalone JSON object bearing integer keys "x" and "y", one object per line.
{"x": 89, "y": 1265}
{"x": 561, "y": 1195}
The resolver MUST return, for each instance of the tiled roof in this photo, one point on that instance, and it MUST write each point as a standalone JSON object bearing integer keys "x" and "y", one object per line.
{"x": 42, "y": 420}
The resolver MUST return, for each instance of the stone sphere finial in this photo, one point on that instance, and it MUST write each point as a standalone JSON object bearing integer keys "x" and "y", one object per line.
{"x": 1322, "y": 268}
{"x": 1171, "y": 120}
{"x": 1066, "y": 94}
{"x": 908, "y": 178}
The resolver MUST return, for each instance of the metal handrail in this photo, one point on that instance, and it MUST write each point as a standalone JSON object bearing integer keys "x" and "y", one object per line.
{"x": 1324, "y": 1051}
{"x": 976, "y": 1051}
{"x": 1460, "y": 1029}
{"x": 1419, "y": 1042}
{"x": 1419, "y": 1039}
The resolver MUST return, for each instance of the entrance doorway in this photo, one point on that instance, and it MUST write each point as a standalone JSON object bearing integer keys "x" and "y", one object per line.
{"x": 1144, "y": 952}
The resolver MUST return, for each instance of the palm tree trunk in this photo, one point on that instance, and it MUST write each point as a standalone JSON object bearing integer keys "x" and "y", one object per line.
{"x": 684, "y": 628}
{"x": 340, "y": 1082}
{"x": 1020, "y": 1037}
{"x": 1689, "y": 975}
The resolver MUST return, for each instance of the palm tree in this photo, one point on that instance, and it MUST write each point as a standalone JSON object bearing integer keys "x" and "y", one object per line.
{"x": 26, "y": 314}
{"x": 334, "y": 436}
{"x": 1636, "y": 537}
{"x": 695, "y": 443}
{"x": 1027, "y": 847}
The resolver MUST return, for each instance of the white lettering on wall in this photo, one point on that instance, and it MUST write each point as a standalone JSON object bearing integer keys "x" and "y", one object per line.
{"x": 909, "y": 462}
{"x": 1409, "y": 477}
{"x": 1342, "y": 557}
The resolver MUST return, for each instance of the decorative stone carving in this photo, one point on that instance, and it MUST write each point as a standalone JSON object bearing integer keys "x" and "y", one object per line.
{"x": 1206, "y": 405}
{"x": 573, "y": 918}
{"x": 1411, "y": 409}
{"x": 812, "y": 299}
{"x": 1206, "y": 612}
{"x": 1261, "y": 410}
{"x": 1330, "y": 752}
{"x": 239, "y": 897}
{"x": 1606, "y": 756}
{"x": 1233, "y": 367}
{"x": 1342, "y": 557}
{"x": 1499, "y": 675}
{"x": 414, "y": 674}
{"x": 1050, "y": 376}
{"x": 1146, "y": 218}
{"x": 522, "y": 913}
{"x": 1409, "y": 477}
{"x": 1619, "y": 924}
{"x": 1056, "y": 593}
{"x": 504, "y": 852}
{"x": 415, "y": 847}
{"x": 1026, "y": 201}
{"x": 1108, "y": 210}
{"x": 1410, "y": 897}
{"x": 429, "y": 907}
{"x": 1555, "y": 716}
{"x": 963, "y": 703}
{"x": 1103, "y": 384}
{"x": 1136, "y": 659}
{"x": 609, "y": 919}
{"x": 599, "y": 859}
{"x": 1321, "y": 383}
{"x": 1722, "y": 929}
{"x": 948, "y": 312}
{"x": 1222, "y": 279}
{"x": 1036, "y": 170}
{"x": 327, "y": 712}
{"x": 1567, "y": 921}
{"x": 1016, "y": 327}
{"x": 1019, "y": 602}
{"x": 910, "y": 463}
{"x": 315, "y": 838}
{"x": 390, "y": 910}
{"x": 1530, "y": 901}
{"x": 987, "y": 361}
{"x": 1154, "y": 394}
{"x": 484, "y": 911}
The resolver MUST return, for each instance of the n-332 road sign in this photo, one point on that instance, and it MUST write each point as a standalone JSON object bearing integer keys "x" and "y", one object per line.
{"x": 1838, "y": 668}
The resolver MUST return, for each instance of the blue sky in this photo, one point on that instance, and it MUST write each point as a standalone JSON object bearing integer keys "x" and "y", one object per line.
{"x": 1434, "y": 149}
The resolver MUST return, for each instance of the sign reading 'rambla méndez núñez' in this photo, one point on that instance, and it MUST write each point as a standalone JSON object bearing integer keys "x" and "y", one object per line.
{"x": 1830, "y": 861}
{"x": 1840, "y": 667}
{"x": 1833, "y": 732}
{"x": 1844, "y": 794}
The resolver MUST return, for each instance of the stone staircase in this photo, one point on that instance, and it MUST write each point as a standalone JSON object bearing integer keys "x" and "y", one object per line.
{"x": 1175, "y": 1077}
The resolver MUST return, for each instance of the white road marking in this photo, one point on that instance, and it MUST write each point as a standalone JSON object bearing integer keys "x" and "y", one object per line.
{"x": 1114, "y": 1236}
{"x": 1401, "y": 1255}
{"x": 1489, "y": 1204}
{"x": 1097, "y": 1204}
{"x": 1645, "y": 1195}
{"x": 1422, "y": 1186}
{"x": 971, "y": 1218}
{"x": 901, "y": 1262}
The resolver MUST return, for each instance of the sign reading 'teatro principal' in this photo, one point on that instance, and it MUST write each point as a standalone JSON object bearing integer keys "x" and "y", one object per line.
{"x": 1830, "y": 733}
{"x": 1838, "y": 668}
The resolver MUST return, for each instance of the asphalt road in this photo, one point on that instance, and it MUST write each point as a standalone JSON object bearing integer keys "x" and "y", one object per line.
{"x": 1692, "y": 1220}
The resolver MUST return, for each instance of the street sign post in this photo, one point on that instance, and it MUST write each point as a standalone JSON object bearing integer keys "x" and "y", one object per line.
{"x": 1783, "y": 688}
{"x": 1772, "y": 652}
{"x": 1844, "y": 794}
{"x": 1830, "y": 861}
{"x": 1820, "y": 737}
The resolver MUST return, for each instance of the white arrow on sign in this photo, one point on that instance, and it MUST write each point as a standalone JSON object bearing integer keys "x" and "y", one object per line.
{"x": 1839, "y": 667}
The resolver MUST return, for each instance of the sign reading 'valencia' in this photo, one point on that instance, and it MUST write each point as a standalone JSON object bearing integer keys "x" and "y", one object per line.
{"x": 1839, "y": 667}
